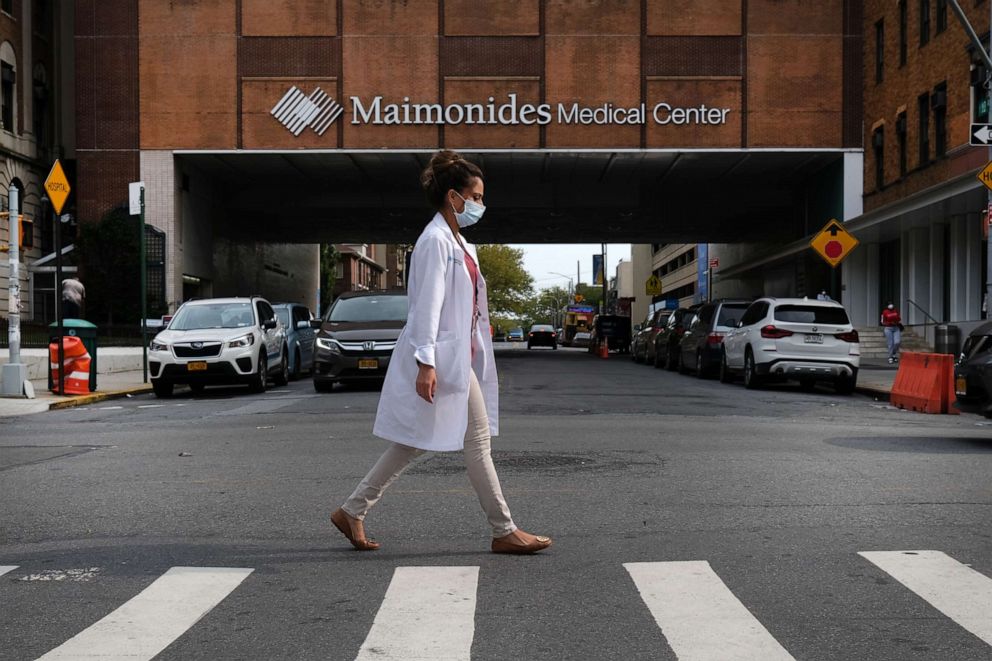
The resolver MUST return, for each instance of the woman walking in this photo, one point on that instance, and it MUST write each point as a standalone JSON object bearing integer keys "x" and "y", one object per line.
{"x": 892, "y": 327}
{"x": 441, "y": 392}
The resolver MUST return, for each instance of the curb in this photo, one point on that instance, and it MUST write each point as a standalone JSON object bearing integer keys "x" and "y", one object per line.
{"x": 881, "y": 393}
{"x": 92, "y": 398}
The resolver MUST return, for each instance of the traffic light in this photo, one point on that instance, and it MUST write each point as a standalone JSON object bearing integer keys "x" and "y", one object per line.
{"x": 25, "y": 232}
{"x": 979, "y": 93}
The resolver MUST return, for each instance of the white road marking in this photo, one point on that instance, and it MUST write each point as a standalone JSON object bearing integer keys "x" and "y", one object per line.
{"x": 7, "y": 568}
{"x": 700, "y": 616}
{"x": 70, "y": 575}
{"x": 427, "y": 613}
{"x": 145, "y": 625}
{"x": 110, "y": 408}
{"x": 956, "y": 590}
{"x": 150, "y": 406}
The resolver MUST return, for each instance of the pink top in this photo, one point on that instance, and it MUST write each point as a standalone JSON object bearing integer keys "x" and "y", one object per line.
{"x": 473, "y": 272}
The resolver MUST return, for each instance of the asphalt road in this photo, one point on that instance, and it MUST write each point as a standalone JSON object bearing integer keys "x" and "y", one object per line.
{"x": 749, "y": 508}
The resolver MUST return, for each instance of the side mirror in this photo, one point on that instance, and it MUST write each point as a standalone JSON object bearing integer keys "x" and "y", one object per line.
{"x": 637, "y": 327}
{"x": 303, "y": 324}
{"x": 316, "y": 323}
{"x": 269, "y": 324}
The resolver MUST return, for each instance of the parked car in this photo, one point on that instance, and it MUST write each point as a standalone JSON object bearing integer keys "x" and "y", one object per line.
{"x": 561, "y": 335}
{"x": 793, "y": 339}
{"x": 666, "y": 342}
{"x": 357, "y": 336}
{"x": 515, "y": 335}
{"x": 582, "y": 339}
{"x": 499, "y": 336}
{"x": 295, "y": 318}
{"x": 973, "y": 373}
{"x": 701, "y": 347}
{"x": 614, "y": 328}
{"x": 542, "y": 335}
{"x": 219, "y": 341}
{"x": 642, "y": 343}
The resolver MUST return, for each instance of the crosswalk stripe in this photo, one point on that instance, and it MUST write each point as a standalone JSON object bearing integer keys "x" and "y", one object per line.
{"x": 700, "y": 616}
{"x": 148, "y": 623}
{"x": 956, "y": 590}
{"x": 7, "y": 568}
{"x": 427, "y": 613}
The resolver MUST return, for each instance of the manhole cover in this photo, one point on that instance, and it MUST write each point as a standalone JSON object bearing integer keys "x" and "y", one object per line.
{"x": 546, "y": 463}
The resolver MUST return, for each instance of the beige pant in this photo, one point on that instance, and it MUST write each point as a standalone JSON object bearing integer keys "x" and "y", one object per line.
{"x": 478, "y": 460}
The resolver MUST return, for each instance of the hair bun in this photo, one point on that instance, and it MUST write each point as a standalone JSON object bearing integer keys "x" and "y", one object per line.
{"x": 447, "y": 170}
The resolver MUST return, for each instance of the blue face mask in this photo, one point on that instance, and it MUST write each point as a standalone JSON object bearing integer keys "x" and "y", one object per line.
{"x": 471, "y": 214}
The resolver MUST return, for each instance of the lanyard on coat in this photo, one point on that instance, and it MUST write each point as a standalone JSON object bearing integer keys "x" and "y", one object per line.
{"x": 475, "y": 300}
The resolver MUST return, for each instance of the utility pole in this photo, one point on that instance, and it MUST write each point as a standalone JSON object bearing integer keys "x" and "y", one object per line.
{"x": 136, "y": 201}
{"x": 14, "y": 373}
{"x": 984, "y": 54}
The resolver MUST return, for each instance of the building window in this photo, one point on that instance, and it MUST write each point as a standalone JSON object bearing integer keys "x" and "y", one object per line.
{"x": 903, "y": 22}
{"x": 941, "y": 15}
{"x": 901, "y": 135}
{"x": 878, "y": 147}
{"x": 7, "y": 7}
{"x": 939, "y": 104}
{"x": 924, "y": 22}
{"x": 40, "y": 106}
{"x": 879, "y": 51}
{"x": 7, "y": 96}
{"x": 924, "y": 132}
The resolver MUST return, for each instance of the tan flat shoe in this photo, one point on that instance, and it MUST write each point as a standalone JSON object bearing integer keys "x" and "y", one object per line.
{"x": 354, "y": 530}
{"x": 520, "y": 543}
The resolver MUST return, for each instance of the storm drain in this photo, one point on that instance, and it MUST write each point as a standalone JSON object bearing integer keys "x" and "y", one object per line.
{"x": 545, "y": 463}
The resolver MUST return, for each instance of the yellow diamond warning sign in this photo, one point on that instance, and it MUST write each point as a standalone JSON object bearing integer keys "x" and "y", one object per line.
{"x": 57, "y": 187}
{"x": 653, "y": 286}
{"x": 985, "y": 176}
{"x": 833, "y": 243}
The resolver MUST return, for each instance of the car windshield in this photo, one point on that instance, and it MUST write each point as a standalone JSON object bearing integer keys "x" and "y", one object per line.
{"x": 283, "y": 315}
{"x": 730, "y": 314}
{"x": 517, "y": 331}
{"x": 212, "y": 315}
{"x": 811, "y": 314}
{"x": 369, "y": 308}
{"x": 975, "y": 345}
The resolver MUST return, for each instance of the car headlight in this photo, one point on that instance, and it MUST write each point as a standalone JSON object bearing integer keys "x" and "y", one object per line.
{"x": 243, "y": 341}
{"x": 329, "y": 344}
{"x": 155, "y": 345}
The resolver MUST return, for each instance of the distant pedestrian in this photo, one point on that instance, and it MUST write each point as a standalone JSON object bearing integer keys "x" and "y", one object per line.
{"x": 892, "y": 327}
{"x": 73, "y": 296}
{"x": 441, "y": 388}
{"x": 823, "y": 296}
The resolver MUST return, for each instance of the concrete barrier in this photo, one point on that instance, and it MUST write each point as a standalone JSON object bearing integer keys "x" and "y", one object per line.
{"x": 924, "y": 383}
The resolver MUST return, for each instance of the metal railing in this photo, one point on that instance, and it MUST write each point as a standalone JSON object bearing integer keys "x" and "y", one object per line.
{"x": 926, "y": 326}
{"x": 37, "y": 336}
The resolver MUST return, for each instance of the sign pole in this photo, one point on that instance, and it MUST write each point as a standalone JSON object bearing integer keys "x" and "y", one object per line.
{"x": 14, "y": 373}
{"x": 59, "y": 321}
{"x": 144, "y": 295}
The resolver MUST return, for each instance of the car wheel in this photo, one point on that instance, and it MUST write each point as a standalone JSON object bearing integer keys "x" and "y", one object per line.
{"x": 681, "y": 364}
{"x": 751, "y": 378}
{"x": 162, "y": 388}
{"x": 529, "y": 347}
{"x": 260, "y": 380}
{"x": 726, "y": 376}
{"x": 555, "y": 347}
{"x": 282, "y": 376}
{"x": 845, "y": 385}
{"x": 323, "y": 386}
{"x": 296, "y": 365}
{"x": 658, "y": 362}
{"x": 700, "y": 371}
{"x": 671, "y": 360}
{"x": 634, "y": 356}
{"x": 807, "y": 385}
{"x": 196, "y": 388}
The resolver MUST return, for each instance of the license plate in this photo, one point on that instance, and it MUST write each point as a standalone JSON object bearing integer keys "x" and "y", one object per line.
{"x": 813, "y": 338}
{"x": 198, "y": 366}
{"x": 961, "y": 386}
{"x": 368, "y": 363}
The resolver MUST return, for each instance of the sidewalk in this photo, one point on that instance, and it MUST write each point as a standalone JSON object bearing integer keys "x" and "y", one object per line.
{"x": 109, "y": 386}
{"x": 875, "y": 377}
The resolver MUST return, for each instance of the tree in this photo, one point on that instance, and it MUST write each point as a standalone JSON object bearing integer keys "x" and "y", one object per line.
{"x": 509, "y": 284}
{"x": 109, "y": 260}
{"x": 547, "y": 305}
{"x": 329, "y": 258}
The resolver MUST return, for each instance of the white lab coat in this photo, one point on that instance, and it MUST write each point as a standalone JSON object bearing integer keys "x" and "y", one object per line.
{"x": 438, "y": 332}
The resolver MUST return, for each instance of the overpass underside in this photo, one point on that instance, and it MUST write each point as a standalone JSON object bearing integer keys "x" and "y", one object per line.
{"x": 569, "y": 196}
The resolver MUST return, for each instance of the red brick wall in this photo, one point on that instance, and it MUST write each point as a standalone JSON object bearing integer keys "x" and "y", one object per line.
{"x": 943, "y": 59}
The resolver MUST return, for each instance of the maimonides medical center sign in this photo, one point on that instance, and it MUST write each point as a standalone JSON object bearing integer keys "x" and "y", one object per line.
{"x": 297, "y": 111}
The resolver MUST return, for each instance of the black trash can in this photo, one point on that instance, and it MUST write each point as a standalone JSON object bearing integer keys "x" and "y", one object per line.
{"x": 947, "y": 339}
{"x": 86, "y": 332}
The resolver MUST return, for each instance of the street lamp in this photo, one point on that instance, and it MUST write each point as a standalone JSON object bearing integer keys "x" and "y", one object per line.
{"x": 571, "y": 289}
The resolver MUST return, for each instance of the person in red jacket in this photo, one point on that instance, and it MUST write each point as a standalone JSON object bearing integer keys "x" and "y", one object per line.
{"x": 892, "y": 327}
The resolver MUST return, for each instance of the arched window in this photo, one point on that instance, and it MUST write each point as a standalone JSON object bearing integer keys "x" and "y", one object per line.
{"x": 8, "y": 69}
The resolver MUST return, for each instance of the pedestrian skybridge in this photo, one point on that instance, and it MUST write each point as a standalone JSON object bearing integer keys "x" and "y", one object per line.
{"x": 561, "y": 196}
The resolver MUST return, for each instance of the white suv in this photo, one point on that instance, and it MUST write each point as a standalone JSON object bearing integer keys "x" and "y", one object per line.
{"x": 219, "y": 341}
{"x": 793, "y": 339}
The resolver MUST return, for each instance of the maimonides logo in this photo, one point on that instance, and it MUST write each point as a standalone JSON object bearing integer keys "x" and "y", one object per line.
{"x": 296, "y": 111}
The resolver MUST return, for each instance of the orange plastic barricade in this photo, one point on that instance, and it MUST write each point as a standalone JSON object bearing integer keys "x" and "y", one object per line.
{"x": 924, "y": 383}
{"x": 77, "y": 366}
{"x": 604, "y": 349}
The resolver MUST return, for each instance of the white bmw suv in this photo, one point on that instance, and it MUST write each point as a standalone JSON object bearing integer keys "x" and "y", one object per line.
{"x": 219, "y": 341}
{"x": 793, "y": 339}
